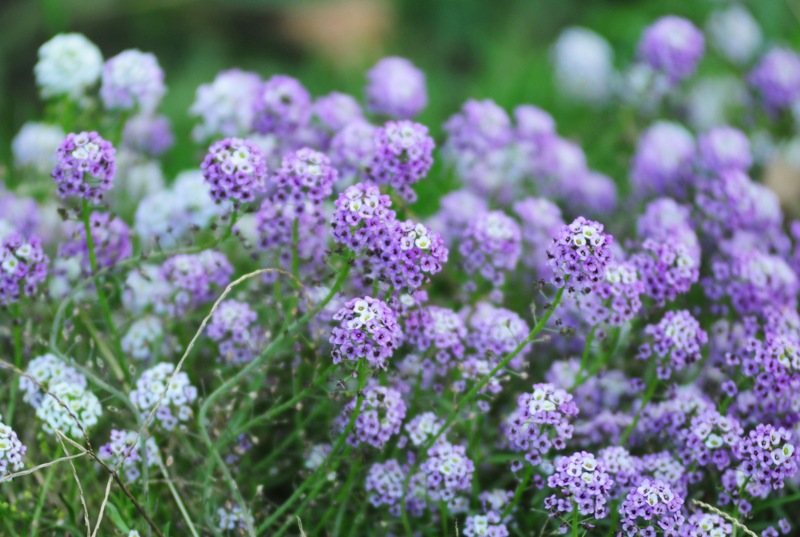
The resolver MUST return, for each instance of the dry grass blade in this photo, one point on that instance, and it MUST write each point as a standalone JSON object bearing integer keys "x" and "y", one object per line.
{"x": 9, "y": 477}
{"x": 60, "y": 436}
{"x": 103, "y": 505}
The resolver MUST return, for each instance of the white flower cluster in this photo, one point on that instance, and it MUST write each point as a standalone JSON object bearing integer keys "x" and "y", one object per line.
{"x": 132, "y": 79}
{"x": 35, "y": 146}
{"x": 231, "y": 517}
{"x": 48, "y": 370}
{"x": 142, "y": 336}
{"x": 68, "y": 65}
{"x": 583, "y": 62}
{"x": 145, "y": 289}
{"x": 178, "y": 395}
{"x": 81, "y": 405}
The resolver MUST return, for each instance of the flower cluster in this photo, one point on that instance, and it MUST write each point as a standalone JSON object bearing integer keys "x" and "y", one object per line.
{"x": 582, "y": 484}
{"x": 11, "y": 450}
{"x": 68, "y": 65}
{"x": 142, "y": 338}
{"x": 663, "y": 161}
{"x": 132, "y": 80}
{"x": 281, "y": 107}
{"x": 488, "y": 525}
{"x": 396, "y": 88}
{"x": 369, "y": 330}
{"x": 423, "y": 427}
{"x": 441, "y": 329}
{"x": 23, "y": 266}
{"x": 173, "y": 393}
{"x": 304, "y": 175}
{"x": 667, "y": 269}
{"x": 232, "y": 328}
{"x": 384, "y": 484}
{"x": 234, "y": 169}
{"x": 579, "y": 255}
{"x": 776, "y": 78}
{"x": 491, "y": 245}
{"x": 403, "y": 155}
{"x": 382, "y": 413}
{"x": 196, "y": 278}
{"x": 122, "y": 451}
{"x": 651, "y": 507}
{"x": 70, "y": 408}
{"x": 85, "y": 166}
{"x": 541, "y": 422}
{"x": 676, "y": 342}
{"x": 768, "y": 458}
{"x": 448, "y": 471}
{"x": 672, "y": 45}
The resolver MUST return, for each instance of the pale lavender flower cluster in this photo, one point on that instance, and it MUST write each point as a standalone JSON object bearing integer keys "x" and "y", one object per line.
{"x": 195, "y": 279}
{"x": 541, "y": 220}
{"x": 123, "y": 450}
{"x": 667, "y": 269}
{"x": 423, "y": 427}
{"x": 491, "y": 246}
{"x": 448, "y": 471}
{"x": 85, "y": 166}
{"x": 403, "y": 155}
{"x": 724, "y": 148}
{"x": 361, "y": 217}
{"x": 132, "y": 80}
{"x": 437, "y": 328}
{"x": 178, "y": 396}
{"x": 488, "y": 525}
{"x": 768, "y": 458}
{"x": 353, "y": 148}
{"x": 396, "y": 88}
{"x": 673, "y": 46}
{"x": 281, "y": 107}
{"x": 649, "y": 508}
{"x": 382, "y": 414}
{"x": 776, "y": 79}
{"x": 368, "y": 330}
{"x": 226, "y": 106}
{"x": 579, "y": 255}
{"x": 541, "y": 422}
{"x": 415, "y": 251}
{"x": 494, "y": 332}
{"x": 23, "y": 267}
{"x": 701, "y": 524}
{"x": 234, "y": 169}
{"x": 11, "y": 450}
{"x": 111, "y": 238}
{"x": 617, "y": 299}
{"x": 333, "y": 112}
{"x": 676, "y": 342}
{"x": 147, "y": 134}
{"x": 663, "y": 162}
{"x": 233, "y": 327}
{"x": 581, "y": 484}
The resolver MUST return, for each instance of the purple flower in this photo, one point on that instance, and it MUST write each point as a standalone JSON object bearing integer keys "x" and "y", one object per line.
{"x": 234, "y": 169}
{"x": 352, "y": 149}
{"x": 409, "y": 254}
{"x": 457, "y": 209}
{"x": 701, "y": 524}
{"x": 724, "y": 148}
{"x": 768, "y": 458}
{"x": 226, "y": 106}
{"x": 662, "y": 164}
{"x": 178, "y": 396}
{"x": 541, "y": 221}
{"x": 382, "y": 414}
{"x": 672, "y": 45}
{"x": 23, "y": 266}
{"x": 304, "y": 174}
{"x": 579, "y": 255}
{"x": 437, "y": 328}
{"x": 85, "y": 166}
{"x": 361, "y": 218}
{"x": 667, "y": 269}
{"x": 617, "y": 298}
{"x": 123, "y": 450}
{"x": 233, "y": 327}
{"x": 334, "y": 111}
{"x": 665, "y": 220}
{"x": 532, "y": 122}
{"x": 676, "y": 342}
{"x": 195, "y": 279}
{"x": 151, "y": 135}
{"x": 396, "y": 88}
{"x": 590, "y": 192}
{"x": 624, "y": 468}
{"x": 581, "y": 484}
{"x": 776, "y": 78}
{"x": 448, "y": 471}
{"x": 281, "y": 107}
{"x": 423, "y": 427}
{"x": 495, "y": 332}
{"x": 11, "y": 451}
{"x": 541, "y": 422}
{"x": 368, "y": 330}
{"x": 649, "y": 508}
{"x": 132, "y": 80}
{"x": 403, "y": 156}
{"x": 488, "y": 525}
{"x": 491, "y": 246}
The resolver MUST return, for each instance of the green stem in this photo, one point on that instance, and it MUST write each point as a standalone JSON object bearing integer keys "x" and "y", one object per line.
{"x": 518, "y": 493}
{"x": 246, "y": 372}
{"x": 652, "y": 384}
{"x": 37, "y": 513}
{"x": 17, "y": 335}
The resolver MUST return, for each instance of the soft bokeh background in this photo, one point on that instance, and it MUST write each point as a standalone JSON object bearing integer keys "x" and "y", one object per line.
{"x": 468, "y": 48}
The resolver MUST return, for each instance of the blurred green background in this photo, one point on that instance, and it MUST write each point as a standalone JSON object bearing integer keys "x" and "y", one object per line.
{"x": 468, "y": 48}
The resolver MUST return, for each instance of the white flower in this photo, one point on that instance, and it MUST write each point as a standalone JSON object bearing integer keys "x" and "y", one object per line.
{"x": 35, "y": 146}
{"x": 583, "y": 63}
{"x": 83, "y": 405}
{"x": 734, "y": 33}
{"x": 68, "y": 65}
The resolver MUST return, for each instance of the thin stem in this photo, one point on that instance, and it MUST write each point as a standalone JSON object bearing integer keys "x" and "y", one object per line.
{"x": 17, "y": 335}
{"x": 518, "y": 493}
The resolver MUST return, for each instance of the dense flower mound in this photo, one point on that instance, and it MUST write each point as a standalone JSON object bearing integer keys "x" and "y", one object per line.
{"x": 663, "y": 160}
{"x": 438, "y": 330}
{"x": 672, "y": 45}
{"x": 448, "y": 472}
{"x": 143, "y": 338}
{"x": 361, "y": 217}
{"x": 491, "y": 246}
{"x": 676, "y": 342}
{"x": 582, "y": 485}
{"x": 382, "y": 413}
{"x": 234, "y": 169}
{"x": 369, "y": 330}
{"x": 403, "y": 155}
{"x": 541, "y": 422}
{"x": 132, "y": 80}
{"x": 123, "y": 450}
{"x": 233, "y": 326}
{"x": 85, "y": 166}
{"x": 23, "y": 267}
{"x": 195, "y": 279}
{"x": 70, "y": 408}
{"x": 353, "y": 148}
{"x": 111, "y": 241}
{"x": 304, "y": 175}
{"x": 44, "y": 372}
{"x": 776, "y": 78}
{"x": 702, "y": 524}
{"x": 617, "y": 299}
{"x": 579, "y": 255}
{"x": 174, "y": 396}
{"x": 69, "y": 64}
{"x": 649, "y": 508}
{"x": 396, "y": 88}
{"x": 282, "y": 106}
{"x": 11, "y": 450}
{"x": 488, "y": 525}
{"x": 226, "y": 105}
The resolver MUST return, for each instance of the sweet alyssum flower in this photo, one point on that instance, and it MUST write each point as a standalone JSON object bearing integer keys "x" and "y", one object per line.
{"x": 382, "y": 413}
{"x": 85, "y": 166}
{"x": 676, "y": 342}
{"x": 672, "y": 45}
{"x": 235, "y": 170}
{"x": 68, "y": 65}
{"x": 195, "y": 279}
{"x": 148, "y": 134}
{"x": 123, "y": 450}
{"x": 403, "y": 156}
{"x": 776, "y": 78}
{"x": 233, "y": 326}
{"x": 723, "y": 148}
{"x": 662, "y": 163}
{"x": 368, "y": 330}
{"x": 396, "y": 88}
{"x": 178, "y": 396}
{"x": 448, "y": 471}
{"x": 491, "y": 246}
{"x": 226, "y": 106}
{"x": 70, "y": 408}
{"x": 132, "y": 80}
{"x": 734, "y": 33}
{"x": 584, "y": 65}
{"x": 352, "y": 149}
{"x": 581, "y": 484}
{"x": 23, "y": 267}
{"x": 35, "y": 146}
{"x": 142, "y": 337}
{"x": 579, "y": 255}
{"x": 650, "y": 507}
{"x": 11, "y": 450}
{"x": 281, "y": 106}
{"x": 488, "y": 525}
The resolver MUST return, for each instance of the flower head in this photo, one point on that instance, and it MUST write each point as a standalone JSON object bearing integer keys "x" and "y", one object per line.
{"x": 579, "y": 255}
{"x": 178, "y": 395}
{"x": 69, "y": 64}
{"x": 85, "y": 166}
{"x": 132, "y": 80}
{"x": 234, "y": 169}
{"x": 368, "y": 329}
{"x": 23, "y": 267}
{"x": 403, "y": 156}
{"x": 281, "y": 107}
{"x": 672, "y": 45}
{"x": 396, "y": 88}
